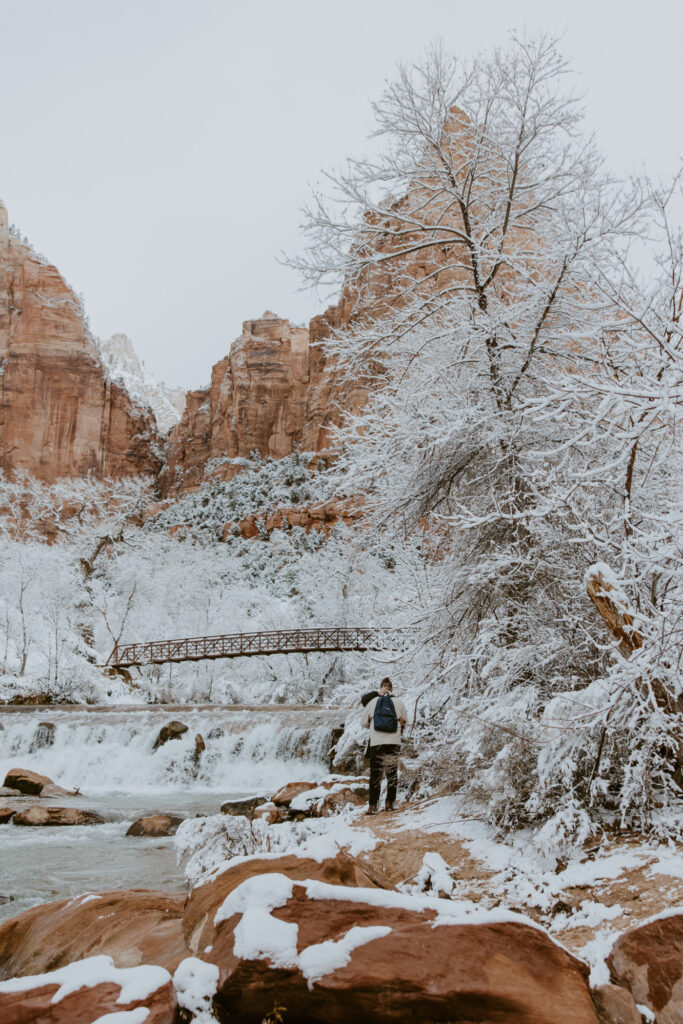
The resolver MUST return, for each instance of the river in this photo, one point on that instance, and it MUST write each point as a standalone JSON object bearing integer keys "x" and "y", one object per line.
{"x": 107, "y": 754}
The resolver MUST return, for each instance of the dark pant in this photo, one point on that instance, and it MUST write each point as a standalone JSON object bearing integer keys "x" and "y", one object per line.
{"x": 383, "y": 758}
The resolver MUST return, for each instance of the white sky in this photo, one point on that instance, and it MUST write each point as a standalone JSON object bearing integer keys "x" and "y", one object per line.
{"x": 158, "y": 151}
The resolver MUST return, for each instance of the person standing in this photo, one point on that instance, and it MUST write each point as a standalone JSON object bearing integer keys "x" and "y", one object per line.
{"x": 385, "y": 716}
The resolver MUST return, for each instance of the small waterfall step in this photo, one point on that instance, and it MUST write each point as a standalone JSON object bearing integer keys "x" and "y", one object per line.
{"x": 222, "y": 749}
{"x": 9, "y": 709}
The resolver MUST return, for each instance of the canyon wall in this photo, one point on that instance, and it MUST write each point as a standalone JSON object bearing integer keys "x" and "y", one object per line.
{"x": 60, "y": 415}
{"x": 272, "y": 393}
{"x": 70, "y": 407}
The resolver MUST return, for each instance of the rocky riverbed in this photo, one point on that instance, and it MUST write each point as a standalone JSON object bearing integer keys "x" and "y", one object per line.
{"x": 289, "y": 897}
{"x": 299, "y": 901}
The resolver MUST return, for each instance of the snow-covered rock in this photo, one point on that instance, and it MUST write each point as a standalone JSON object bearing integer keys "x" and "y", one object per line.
{"x": 90, "y": 990}
{"x": 124, "y": 365}
{"x": 203, "y": 908}
{"x": 385, "y": 956}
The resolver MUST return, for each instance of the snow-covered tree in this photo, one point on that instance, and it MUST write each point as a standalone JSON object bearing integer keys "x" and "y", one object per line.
{"x": 631, "y": 411}
{"x": 475, "y": 248}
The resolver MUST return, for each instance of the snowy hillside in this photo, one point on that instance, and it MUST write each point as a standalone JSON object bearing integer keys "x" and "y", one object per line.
{"x": 123, "y": 364}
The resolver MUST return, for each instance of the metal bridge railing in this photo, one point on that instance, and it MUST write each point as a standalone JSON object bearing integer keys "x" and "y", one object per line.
{"x": 244, "y": 645}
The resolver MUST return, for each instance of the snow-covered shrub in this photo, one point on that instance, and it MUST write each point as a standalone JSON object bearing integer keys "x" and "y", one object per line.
{"x": 261, "y": 486}
{"x": 434, "y": 876}
{"x": 206, "y": 844}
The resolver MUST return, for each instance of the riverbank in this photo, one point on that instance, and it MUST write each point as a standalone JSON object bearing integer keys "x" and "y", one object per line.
{"x": 429, "y": 858}
{"x": 80, "y": 893}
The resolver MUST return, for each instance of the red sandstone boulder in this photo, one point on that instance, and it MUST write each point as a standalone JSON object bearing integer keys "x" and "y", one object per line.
{"x": 333, "y": 954}
{"x": 56, "y": 816}
{"x": 87, "y": 990}
{"x": 286, "y": 794}
{"x": 615, "y": 1005}
{"x": 325, "y": 800}
{"x": 246, "y": 807}
{"x": 293, "y": 790}
{"x": 205, "y": 899}
{"x": 271, "y": 814}
{"x": 649, "y": 962}
{"x": 339, "y": 798}
{"x": 132, "y": 927}
{"x": 171, "y": 731}
{"x": 32, "y": 784}
{"x": 51, "y": 789}
{"x": 155, "y": 825}
{"x": 6, "y": 813}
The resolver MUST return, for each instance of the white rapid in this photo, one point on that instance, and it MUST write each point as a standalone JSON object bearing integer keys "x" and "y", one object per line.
{"x": 107, "y": 751}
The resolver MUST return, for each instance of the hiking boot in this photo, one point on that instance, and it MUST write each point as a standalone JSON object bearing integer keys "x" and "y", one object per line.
{"x": 388, "y": 807}
{"x": 371, "y": 810}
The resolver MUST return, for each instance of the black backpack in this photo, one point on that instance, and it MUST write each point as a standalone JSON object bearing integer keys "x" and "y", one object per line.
{"x": 384, "y": 716}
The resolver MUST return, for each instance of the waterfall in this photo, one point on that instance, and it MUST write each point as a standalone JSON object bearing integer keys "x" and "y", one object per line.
{"x": 106, "y": 751}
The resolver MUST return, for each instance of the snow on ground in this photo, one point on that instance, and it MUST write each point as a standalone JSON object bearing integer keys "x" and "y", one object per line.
{"x": 586, "y": 902}
{"x": 439, "y": 855}
{"x": 439, "y": 848}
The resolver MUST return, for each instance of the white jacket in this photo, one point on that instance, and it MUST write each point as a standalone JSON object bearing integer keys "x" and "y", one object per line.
{"x": 381, "y": 738}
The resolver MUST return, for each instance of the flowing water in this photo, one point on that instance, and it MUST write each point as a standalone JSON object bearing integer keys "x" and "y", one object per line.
{"x": 108, "y": 755}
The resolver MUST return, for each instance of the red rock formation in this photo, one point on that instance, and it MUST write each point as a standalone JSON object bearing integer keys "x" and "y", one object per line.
{"x": 257, "y": 401}
{"x": 90, "y": 990}
{"x": 132, "y": 927}
{"x": 23, "y": 780}
{"x": 55, "y": 817}
{"x": 207, "y": 897}
{"x": 155, "y": 825}
{"x": 59, "y": 414}
{"x": 334, "y": 954}
{"x": 615, "y": 1005}
{"x": 321, "y": 517}
{"x": 648, "y": 961}
{"x": 278, "y": 389}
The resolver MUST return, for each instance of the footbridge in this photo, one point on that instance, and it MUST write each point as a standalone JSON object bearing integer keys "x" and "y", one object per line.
{"x": 247, "y": 645}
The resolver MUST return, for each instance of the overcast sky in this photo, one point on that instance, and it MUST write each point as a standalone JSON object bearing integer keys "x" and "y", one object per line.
{"x": 158, "y": 151}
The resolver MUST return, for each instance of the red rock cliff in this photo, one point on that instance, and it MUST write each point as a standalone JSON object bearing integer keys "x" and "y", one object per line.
{"x": 259, "y": 399}
{"x": 59, "y": 414}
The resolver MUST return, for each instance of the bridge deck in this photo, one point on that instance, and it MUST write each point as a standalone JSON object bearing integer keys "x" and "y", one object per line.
{"x": 246, "y": 645}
